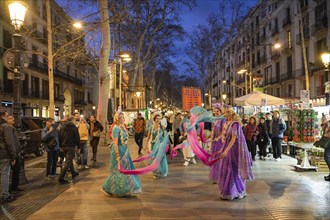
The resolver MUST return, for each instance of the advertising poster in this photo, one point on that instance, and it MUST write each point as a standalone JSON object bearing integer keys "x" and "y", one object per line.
{"x": 190, "y": 98}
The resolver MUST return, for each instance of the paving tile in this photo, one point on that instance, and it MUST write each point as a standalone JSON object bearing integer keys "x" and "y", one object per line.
{"x": 278, "y": 192}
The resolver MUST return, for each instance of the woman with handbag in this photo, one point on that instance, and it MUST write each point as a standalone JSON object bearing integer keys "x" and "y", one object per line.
{"x": 251, "y": 132}
{"x": 262, "y": 139}
{"x": 95, "y": 129}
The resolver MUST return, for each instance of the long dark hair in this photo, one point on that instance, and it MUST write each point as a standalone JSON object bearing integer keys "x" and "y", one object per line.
{"x": 160, "y": 125}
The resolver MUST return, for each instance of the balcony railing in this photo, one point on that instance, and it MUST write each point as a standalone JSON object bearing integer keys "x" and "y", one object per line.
{"x": 80, "y": 102}
{"x": 59, "y": 98}
{"x": 65, "y": 76}
{"x": 306, "y": 35}
{"x": 275, "y": 80}
{"x": 319, "y": 26}
{"x": 299, "y": 73}
{"x": 276, "y": 55}
{"x": 275, "y": 31}
{"x": 286, "y": 76}
{"x": 286, "y": 21}
{"x": 35, "y": 64}
{"x": 320, "y": 90}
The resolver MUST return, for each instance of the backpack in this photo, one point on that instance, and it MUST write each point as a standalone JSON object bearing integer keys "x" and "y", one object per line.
{"x": 83, "y": 132}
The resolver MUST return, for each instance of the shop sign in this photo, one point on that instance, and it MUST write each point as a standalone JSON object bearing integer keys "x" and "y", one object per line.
{"x": 327, "y": 88}
{"x": 304, "y": 95}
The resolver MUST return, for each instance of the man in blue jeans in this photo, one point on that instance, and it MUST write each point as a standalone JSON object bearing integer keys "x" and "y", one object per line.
{"x": 278, "y": 127}
{"x": 69, "y": 139}
{"x": 7, "y": 159}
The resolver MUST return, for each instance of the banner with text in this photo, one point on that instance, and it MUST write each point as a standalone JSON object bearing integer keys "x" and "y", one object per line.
{"x": 190, "y": 98}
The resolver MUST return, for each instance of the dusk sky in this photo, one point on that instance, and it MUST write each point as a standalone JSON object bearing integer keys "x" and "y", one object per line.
{"x": 190, "y": 20}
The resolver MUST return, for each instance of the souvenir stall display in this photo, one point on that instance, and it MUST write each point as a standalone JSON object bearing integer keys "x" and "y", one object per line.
{"x": 304, "y": 123}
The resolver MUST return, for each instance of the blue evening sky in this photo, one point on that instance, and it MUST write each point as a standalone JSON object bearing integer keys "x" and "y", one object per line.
{"x": 190, "y": 20}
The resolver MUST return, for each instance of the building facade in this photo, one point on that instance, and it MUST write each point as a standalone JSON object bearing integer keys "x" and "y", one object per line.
{"x": 298, "y": 26}
{"x": 73, "y": 88}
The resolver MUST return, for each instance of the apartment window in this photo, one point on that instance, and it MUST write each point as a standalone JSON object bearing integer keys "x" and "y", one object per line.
{"x": 68, "y": 69}
{"x": 321, "y": 14}
{"x": 268, "y": 74}
{"x": 257, "y": 21}
{"x": 277, "y": 70}
{"x": 56, "y": 90}
{"x": 289, "y": 65}
{"x": 35, "y": 86}
{"x": 288, "y": 13}
{"x": 270, "y": 26}
{"x": 45, "y": 89}
{"x": 26, "y": 85}
{"x": 34, "y": 55}
{"x": 303, "y": 3}
{"x": 278, "y": 92}
{"x": 288, "y": 38}
{"x": 290, "y": 90}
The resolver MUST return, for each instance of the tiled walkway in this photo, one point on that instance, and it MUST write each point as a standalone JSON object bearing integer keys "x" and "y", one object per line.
{"x": 278, "y": 192}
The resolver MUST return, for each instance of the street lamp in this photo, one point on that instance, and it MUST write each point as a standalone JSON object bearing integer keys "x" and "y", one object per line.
{"x": 247, "y": 73}
{"x": 224, "y": 96}
{"x": 276, "y": 46}
{"x": 94, "y": 107}
{"x": 326, "y": 59}
{"x": 17, "y": 10}
{"x": 123, "y": 57}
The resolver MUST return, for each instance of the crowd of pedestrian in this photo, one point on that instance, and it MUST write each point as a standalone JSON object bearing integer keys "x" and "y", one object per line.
{"x": 66, "y": 145}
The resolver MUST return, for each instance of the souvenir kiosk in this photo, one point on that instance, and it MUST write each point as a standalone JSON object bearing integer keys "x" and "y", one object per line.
{"x": 304, "y": 122}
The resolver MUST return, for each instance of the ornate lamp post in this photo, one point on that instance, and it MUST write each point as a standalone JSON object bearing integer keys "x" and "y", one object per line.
{"x": 17, "y": 10}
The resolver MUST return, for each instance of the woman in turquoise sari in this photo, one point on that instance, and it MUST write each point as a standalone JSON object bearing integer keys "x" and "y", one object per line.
{"x": 119, "y": 184}
{"x": 156, "y": 136}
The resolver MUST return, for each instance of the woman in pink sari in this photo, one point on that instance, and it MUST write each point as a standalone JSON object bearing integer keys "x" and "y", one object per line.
{"x": 235, "y": 165}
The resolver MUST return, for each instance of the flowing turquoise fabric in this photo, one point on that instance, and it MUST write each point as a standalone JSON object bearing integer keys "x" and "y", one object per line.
{"x": 117, "y": 183}
{"x": 162, "y": 169}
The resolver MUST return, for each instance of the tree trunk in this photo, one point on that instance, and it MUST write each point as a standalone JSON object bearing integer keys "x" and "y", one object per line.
{"x": 50, "y": 62}
{"x": 104, "y": 78}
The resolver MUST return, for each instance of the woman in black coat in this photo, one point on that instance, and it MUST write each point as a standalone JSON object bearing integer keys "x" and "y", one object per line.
{"x": 262, "y": 138}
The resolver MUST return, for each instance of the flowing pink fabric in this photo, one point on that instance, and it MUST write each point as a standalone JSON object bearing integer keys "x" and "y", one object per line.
{"x": 179, "y": 146}
{"x": 198, "y": 150}
{"x": 146, "y": 157}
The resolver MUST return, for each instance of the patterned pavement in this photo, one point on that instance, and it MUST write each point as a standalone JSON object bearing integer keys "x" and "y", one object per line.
{"x": 278, "y": 192}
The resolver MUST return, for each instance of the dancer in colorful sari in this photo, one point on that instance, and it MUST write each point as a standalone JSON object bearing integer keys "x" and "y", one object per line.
{"x": 156, "y": 136}
{"x": 235, "y": 160}
{"x": 216, "y": 140}
{"x": 119, "y": 184}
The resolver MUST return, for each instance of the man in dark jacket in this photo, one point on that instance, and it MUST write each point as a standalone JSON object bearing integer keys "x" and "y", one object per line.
{"x": 278, "y": 128}
{"x": 69, "y": 139}
{"x": 17, "y": 167}
{"x": 7, "y": 159}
